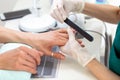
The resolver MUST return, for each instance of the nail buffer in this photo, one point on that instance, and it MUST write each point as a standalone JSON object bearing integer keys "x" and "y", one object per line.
{"x": 77, "y": 28}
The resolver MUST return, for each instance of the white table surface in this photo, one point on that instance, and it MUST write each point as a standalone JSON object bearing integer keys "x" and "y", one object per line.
{"x": 68, "y": 69}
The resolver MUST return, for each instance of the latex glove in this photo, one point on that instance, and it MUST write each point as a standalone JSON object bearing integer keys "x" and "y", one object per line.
{"x": 73, "y": 49}
{"x": 61, "y": 8}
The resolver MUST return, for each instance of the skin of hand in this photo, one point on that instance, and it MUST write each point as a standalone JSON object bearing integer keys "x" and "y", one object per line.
{"x": 119, "y": 13}
{"x": 45, "y": 41}
{"x": 97, "y": 69}
{"x": 105, "y": 12}
{"x": 40, "y": 41}
{"x": 21, "y": 59}
{"x": 61, "y": 8}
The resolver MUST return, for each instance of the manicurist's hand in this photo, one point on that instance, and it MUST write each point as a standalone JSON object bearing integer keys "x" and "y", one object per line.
{"x": 75, "y": 50}
{"x": 61, "y": 8}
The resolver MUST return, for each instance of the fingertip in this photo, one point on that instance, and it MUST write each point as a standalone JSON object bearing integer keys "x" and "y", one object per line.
{"x": 59, "y": 56}
{"x": 64, "y": 17}
{"x": 34, "y": 72}
{"x": 52, "y": 15}
{"x": 63, "y": 14}
{"x": 41, "y": 53}
{"x": 38, "y": 63}
{"x": 62, "y": 57}
{"x": 80, "y": 41}
{"x": 61, "y": 21}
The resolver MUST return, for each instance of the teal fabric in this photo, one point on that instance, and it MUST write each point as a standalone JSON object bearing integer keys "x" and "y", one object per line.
{"x": 13, "y": 75}
{"x": 114, "y": 61}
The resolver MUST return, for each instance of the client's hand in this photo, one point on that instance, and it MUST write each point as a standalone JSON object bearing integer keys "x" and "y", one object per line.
{"x": 46, "y": 41}
{"x": 21, "y": 58}
{"x": 73, "y": 49}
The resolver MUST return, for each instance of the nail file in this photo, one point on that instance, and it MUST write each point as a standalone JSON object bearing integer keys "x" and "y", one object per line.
{"x": 77, "y": 28}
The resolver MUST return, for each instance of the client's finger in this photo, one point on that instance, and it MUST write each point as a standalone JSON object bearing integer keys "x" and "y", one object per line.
{"x": 62, "y": 31}
{"x": 64, "y": 35}
{"x": 58, "y": 55}
{"x": 54, "y": 54}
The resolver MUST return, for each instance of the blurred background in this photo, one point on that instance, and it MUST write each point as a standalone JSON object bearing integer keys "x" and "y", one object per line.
{"x": 6, "y": 5}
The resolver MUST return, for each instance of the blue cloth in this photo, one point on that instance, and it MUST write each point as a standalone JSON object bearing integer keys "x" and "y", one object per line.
{"x": 13, "y": 75}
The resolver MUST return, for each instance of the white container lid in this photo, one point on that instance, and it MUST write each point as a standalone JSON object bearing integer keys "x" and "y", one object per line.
{"x": 32, "y": 23}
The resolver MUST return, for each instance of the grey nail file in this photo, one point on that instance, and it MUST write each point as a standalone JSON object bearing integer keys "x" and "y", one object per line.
{"x": 77, "y": 28}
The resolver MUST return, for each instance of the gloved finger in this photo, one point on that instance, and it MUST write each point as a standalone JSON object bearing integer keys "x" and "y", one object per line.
{"x": 53, "y": 14}
{"x": 62, "y": 10}
{"x": 81, "y": 43}
{"x": 71, "y": 34}
{"x": 54, "y": 8}
{"x": 59, "y": 15}
{"x": 74, "y": 31}
{"x": 63, "y": 13}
